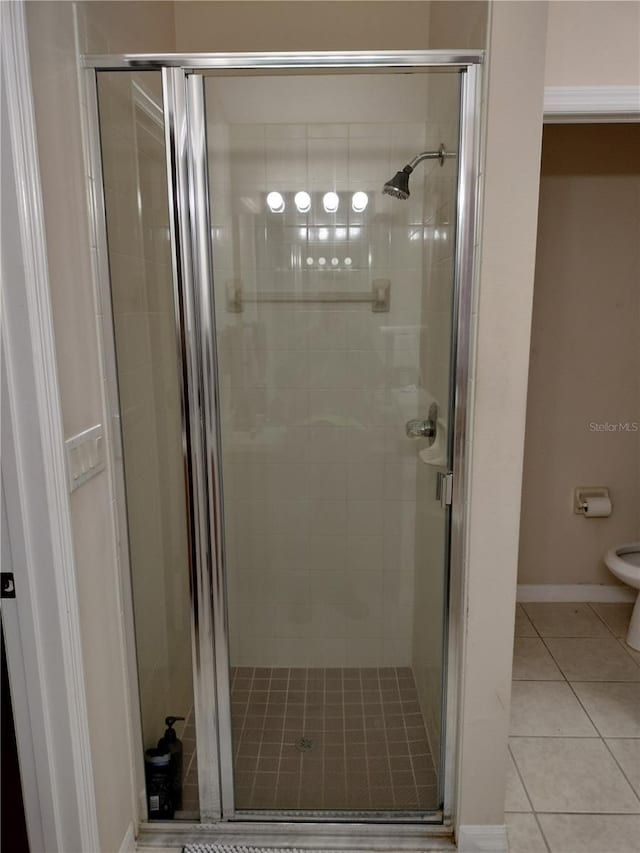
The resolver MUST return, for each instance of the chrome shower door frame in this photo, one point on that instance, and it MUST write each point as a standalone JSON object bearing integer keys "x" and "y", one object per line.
{"x": 188, "y": 192}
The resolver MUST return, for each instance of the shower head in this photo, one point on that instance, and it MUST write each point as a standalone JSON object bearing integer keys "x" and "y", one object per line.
{"x": 398, "y": 185}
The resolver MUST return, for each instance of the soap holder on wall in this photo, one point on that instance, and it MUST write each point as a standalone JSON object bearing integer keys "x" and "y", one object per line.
{"x": 596, "y": 496}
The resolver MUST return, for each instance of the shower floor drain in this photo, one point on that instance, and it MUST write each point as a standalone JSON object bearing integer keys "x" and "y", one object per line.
{"x": 304, "y": 744}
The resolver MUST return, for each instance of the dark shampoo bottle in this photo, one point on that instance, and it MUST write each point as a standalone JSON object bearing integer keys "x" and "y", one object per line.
{"x": 170, "y": 743}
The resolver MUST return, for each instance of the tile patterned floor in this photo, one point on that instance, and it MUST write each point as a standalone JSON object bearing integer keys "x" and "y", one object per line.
{"x": 347, "y": 739}
{"x": 368, "y": 746}
{"x": 574, "y": 772}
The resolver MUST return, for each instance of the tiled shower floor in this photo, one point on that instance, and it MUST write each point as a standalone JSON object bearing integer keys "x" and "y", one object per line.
{"x": 330, "y": 739}
{"x": 337, "y": 739}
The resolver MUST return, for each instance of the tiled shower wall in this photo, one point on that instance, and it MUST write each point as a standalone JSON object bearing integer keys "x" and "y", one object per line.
{"x": 137, "y": 223}
{"x": 319, "y": 478}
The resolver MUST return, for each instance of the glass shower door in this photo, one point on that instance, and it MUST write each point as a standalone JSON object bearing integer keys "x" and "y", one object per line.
{"x": 333, "y": 326}
{"x": 151, "y": 493}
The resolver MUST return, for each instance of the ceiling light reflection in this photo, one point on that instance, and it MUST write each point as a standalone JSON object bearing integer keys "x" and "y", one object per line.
{"x": 330, "y": 202}
{"x": 303, "y": 201}
{"x": 275, "y": 202}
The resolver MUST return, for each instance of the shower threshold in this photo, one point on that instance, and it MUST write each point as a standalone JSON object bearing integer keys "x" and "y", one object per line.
{"x": 339, "y": 837}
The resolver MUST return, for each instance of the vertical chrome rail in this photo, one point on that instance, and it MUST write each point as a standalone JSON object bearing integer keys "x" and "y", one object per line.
{"x": 190, "y": 319}
{"x": 464, "y": 288}
{"x": 204, "y": 288}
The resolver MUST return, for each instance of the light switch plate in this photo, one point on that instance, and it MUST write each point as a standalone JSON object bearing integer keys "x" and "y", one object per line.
{"x": 85, "y": 456}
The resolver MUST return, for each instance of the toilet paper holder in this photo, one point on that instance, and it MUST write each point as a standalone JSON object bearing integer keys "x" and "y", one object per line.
{"x": 582, "y": 494}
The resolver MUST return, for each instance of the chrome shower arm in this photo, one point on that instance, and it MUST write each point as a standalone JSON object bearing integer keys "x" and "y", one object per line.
{"x": 441, "y": 154}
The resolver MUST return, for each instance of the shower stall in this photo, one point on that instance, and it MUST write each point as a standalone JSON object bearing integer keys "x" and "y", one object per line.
{"x": 287, "y": 343}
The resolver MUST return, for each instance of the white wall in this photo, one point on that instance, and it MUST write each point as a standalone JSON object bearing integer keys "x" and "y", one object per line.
{"x": 57, "y": 107}
{"x": 593, "y": 43}
{"x": 503, "y": 316}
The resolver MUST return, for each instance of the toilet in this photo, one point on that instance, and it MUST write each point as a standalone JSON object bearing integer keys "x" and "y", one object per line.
{"x": 624, "y": 562}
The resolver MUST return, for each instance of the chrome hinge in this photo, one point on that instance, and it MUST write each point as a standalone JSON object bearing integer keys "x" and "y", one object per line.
{"x": 444, "y": 488}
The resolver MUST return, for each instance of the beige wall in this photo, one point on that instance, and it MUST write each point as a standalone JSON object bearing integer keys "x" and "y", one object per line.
{"x": 313, "y": 25}
{"x": 503, "y": 316}
{"x": 585, "y": 353}
{"x": 125, "y": 26}
{"x": 593, "y": 43}
{"x": 50, "y": 27}
{"x": 460, "y": 24}
{"x": 308, "y": 25}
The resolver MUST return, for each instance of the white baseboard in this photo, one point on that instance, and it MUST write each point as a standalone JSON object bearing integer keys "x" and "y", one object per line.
{"x": 483, "y": 839}
{"x": 129, "y": 841}
{"x": 596, "y": 592}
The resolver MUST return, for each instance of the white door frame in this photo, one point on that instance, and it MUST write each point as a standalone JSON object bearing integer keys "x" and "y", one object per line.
{"x": 42, "y": 624}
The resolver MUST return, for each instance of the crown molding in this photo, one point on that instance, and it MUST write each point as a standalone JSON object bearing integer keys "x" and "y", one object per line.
{"x": 591, "y": 104}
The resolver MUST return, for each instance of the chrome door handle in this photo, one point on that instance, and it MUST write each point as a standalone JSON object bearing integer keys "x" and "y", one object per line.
{"x": 421, "y": 429}
{"x": 417, "y": 428}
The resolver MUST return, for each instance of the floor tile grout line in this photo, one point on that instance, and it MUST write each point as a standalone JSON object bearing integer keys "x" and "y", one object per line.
{"x": 392, "y": 786}
{"x": 520, "y": 777}
{"x": 562, "y": 672}
{"x": 524, "y": 610}
{"x": 589, "y": 605}
{"x": 267, "y": 713}
{"x": 406, "y": 734}
{"x": 413, "y": 769}
{"x": 244, "y": 719}
{"x": 547, "y": 843}
{"x": 603, "y": 739}
{"x": 621, "y": 642}
{"x": 583, "y": 814}
{"x": 246, "y": 711}
{"x": 286, "y": 715}
{"x": 344, "y": 737}
{"x": 365, "y": 735}
{"x": 601, "y": 618}
{"x": 593, "y": 681}
{"x": 322, "y": 731}
{"x": 571, "y": 637}
{"x": 625, "y": 646}
{"x": 259, "y": 751}
{"x": 620, "y": 639}
{"x": 598, "y": 735}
